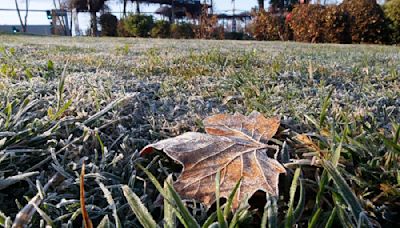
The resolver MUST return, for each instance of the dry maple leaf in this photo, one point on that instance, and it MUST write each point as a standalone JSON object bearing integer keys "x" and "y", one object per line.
{"x": 235, "y": 145}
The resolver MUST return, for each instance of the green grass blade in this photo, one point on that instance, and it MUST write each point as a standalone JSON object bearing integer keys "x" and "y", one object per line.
{"x": 153, "y": 180}
{"x": 62, "y": 109}
{"x": 312, "y": 120}
{"x": 397, "y": 133}
{"x": 244, "y": 206}
{"x": 111, "y": 202}
{"x": 264, "y": 219}
{"x": 270, "y": 215}
{"x": 228, "y": 206}
{"x": 336, "y": 155}
{"x": 301, "y": 202}
{"x": 189, "y": 220}
{"x": 181, "y": 211}
{"x": 40, "y": 189}
{"x": 110, "y": 106}
{"x": 105, "y": 223}
{"x": 5, "y": 221}
{"x": 24, "y": 106}
{"x": 5, "y": 183}
{"x": 344, "y": 189}
{"x": 344, "y": 217}
{"x": 210, "y": 220}
{"x": 331, "y": 218}
{"x": 289, "y": 215}
{"x": 322, "y": 184}
{"x": 324, "y": 109}
{"x": 220, "y": 215}
{"x": 138, "y": 208}
{"x": 43, "y": 214}
{"x": 390, "y": 144}
{"x": 60, "y": 89}
{"x": 102, "y": 148}
{"x": 244, "y": 216}
{"x": 398, "y": 177}
{"x": 315, "y": 218}
{"x": 157, "y": 184}
{"x": 8, "y": 112}
{"x": 364, "y": 218}
{"x": 169, "y": 213}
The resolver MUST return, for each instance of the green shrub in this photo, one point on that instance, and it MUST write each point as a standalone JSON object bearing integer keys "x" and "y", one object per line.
{"x": 307, "y": 23}
{"x": 392, "y": 12}
{"x": 121, "y": 29}
{"x": 368, "y": 24}
{"x": 182, "y": 31}
{"x": 336, "y": 26}
{"x": 267, "y": 26}
{"x": 137, "y": 25}
{"x": 108, "y": 24}
{"x": 161, "y": 29}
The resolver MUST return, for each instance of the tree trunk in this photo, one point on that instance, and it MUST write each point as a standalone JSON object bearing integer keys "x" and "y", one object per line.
{"x": 26, "y": 13}
{"x": 70, "y": 24}
{"x": 93, "y": 23}
{"x": 124, "y": 10}
{"x": 19, "y": 16}
{"x": 76, "y": 22}
{"x": 58, "y": 18}
{"x": 172, "y": 18}
{"x": 93, "y": 19}
{"x": 261, "y": 4}
{"x": 137, "y": 7}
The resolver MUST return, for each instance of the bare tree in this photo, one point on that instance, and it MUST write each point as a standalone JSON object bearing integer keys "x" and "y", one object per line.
{"x": 137, "y": 3}
{"x": 261, "y": 4}
{"x": 91, "y": 6}
{"x": 23, "y": 23}
{"x": 93, "y": 19}
{"x": 57, "y": 17}
{"x": 125, "y": 2}
{"x": 71, "y": 6}
{"x": 137, "y": 7}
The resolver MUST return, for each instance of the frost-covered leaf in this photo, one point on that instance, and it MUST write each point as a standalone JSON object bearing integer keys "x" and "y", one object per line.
{"x": 235, "y": 145}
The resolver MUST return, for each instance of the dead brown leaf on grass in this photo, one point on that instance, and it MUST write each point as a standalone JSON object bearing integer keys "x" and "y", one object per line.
{"x": 235, "y": 145}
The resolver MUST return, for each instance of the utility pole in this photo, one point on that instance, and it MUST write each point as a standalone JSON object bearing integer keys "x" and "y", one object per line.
{"x": 233, "y": 16}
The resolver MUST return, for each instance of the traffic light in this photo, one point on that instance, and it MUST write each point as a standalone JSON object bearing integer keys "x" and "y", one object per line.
{"x": 49, "y": 15}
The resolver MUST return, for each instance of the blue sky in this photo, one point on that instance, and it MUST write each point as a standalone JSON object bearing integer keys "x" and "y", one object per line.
{"x": 35, "y": 18}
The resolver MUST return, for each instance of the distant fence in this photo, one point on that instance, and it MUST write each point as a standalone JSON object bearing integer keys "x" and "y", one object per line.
{"x": 31, "y": 29}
